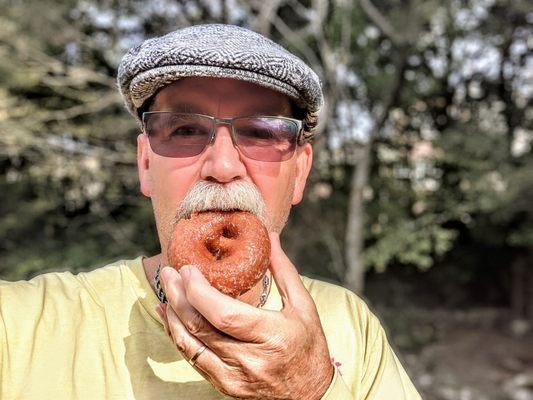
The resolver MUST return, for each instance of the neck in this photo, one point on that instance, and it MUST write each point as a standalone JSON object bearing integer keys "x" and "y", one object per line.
{"x": 251, "y": 296}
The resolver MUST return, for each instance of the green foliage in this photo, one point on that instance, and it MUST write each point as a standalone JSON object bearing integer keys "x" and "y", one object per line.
{"x": 412, "y": 242}
{"x": 446, "y": 162}
{"x": 67, "y": 156}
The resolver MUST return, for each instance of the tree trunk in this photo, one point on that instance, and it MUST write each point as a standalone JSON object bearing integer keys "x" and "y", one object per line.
{"x": 354, "y": 278}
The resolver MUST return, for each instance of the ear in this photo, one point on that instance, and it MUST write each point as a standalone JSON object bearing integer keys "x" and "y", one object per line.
{"x": 143, "y": 164}
{"x": 304, "y": 159}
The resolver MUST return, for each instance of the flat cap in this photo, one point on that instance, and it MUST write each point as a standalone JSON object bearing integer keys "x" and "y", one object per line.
{"x": 217, "y": 50}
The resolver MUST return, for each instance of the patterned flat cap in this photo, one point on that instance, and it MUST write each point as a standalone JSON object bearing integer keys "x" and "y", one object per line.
{"x": 216, "y": 50}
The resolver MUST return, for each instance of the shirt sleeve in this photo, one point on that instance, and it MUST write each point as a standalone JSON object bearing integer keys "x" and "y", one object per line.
{"x": 366, "y": 367}
{"x": 384, "y": 377}
{"x": 338, "y": 390}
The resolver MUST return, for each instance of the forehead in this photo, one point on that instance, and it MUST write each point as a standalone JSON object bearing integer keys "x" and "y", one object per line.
{"x": 202, "y": 95}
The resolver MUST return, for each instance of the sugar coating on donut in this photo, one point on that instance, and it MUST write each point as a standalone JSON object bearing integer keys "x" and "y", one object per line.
{"x": 231, "y": 248}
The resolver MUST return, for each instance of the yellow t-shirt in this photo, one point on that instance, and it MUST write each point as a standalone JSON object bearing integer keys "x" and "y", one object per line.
{"x": 96, "y": 335}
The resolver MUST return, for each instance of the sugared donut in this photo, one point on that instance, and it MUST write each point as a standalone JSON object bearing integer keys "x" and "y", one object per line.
{"x": 231, "y": 248}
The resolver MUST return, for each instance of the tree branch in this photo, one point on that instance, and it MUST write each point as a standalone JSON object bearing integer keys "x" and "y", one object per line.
{"x": 382, "y": 23}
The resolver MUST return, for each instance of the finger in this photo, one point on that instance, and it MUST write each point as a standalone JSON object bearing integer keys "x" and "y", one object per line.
{"x": 193, "y": 321}
{"x": 286, "y": 276}
{"x": 208, "y": 363}
{"x": 223, "y": 376}
{"x": 233, "y": 317}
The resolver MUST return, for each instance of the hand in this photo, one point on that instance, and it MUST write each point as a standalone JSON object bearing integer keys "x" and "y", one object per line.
{"x": 251, "y": 353}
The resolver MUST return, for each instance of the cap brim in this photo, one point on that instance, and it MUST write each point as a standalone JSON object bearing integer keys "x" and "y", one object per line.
{"x": 147, "y": 83}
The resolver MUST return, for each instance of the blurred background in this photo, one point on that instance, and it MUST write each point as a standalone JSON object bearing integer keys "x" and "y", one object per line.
{"x": 421, "y": 195}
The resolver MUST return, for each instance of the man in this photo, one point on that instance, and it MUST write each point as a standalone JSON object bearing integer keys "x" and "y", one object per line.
{"x": 227, "y": 117}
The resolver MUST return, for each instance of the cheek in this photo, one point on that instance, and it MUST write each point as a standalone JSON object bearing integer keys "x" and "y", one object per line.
{"x": 274, "y": 180}
{"x": 171, "y": 178}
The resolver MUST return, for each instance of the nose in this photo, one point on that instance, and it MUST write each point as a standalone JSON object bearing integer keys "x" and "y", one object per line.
{"x": 222, "y": 162}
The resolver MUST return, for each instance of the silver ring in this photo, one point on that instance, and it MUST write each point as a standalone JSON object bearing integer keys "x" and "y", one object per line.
{"x": 193, "y": 359}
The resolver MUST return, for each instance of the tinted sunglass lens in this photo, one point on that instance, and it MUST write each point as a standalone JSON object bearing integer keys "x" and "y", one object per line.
{"x": 266, "y": 139}
{"x": 177, "y": 135}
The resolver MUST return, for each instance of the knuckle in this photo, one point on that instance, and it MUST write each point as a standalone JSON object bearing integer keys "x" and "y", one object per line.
{"x": 179, "y": 341}
{"x": 228, "y": 320}
{"x": 257, "y": 370}
{"x": 195, "y": 324}
{"x": 180, "y": 346}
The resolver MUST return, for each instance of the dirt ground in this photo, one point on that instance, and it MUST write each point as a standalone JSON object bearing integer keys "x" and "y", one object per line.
{"x": 480, "y": 354}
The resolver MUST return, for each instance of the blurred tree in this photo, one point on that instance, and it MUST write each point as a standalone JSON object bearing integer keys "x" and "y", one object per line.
{"x": 362, "y": 54}
{"x": 402, "y": 82}
{"x": 65, "y": 174}
{"x": 67, "y": 147}
{"x": 485, "y": 133}
{"x": 426, "y": 131}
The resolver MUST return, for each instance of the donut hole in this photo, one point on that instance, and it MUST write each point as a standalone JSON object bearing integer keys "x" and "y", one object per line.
{"x": 220, "y": 245}
{"x": 230, "y": 232}
{"x": 217, "y": 251}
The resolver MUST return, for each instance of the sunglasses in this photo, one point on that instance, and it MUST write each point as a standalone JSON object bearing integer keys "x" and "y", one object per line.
{"x": 180, "y": 135}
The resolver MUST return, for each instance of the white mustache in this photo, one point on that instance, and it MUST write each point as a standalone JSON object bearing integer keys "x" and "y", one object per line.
{"x": 207, "y": 196}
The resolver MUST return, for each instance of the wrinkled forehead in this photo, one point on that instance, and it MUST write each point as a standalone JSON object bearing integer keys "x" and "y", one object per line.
{"x": 206, "y": 94}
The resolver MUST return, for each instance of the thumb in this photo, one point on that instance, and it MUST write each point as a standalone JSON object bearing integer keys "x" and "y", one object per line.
{"x": 286, "y": 275}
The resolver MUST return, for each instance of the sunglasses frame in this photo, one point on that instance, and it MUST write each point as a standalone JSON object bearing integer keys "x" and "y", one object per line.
{"x": 300, "y": 138}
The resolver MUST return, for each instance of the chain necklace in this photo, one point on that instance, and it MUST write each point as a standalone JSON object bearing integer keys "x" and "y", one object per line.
{"x": 163, "y": 299}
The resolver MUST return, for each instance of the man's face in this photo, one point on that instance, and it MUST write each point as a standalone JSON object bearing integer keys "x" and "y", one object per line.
{"x": 167, "y": 180}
